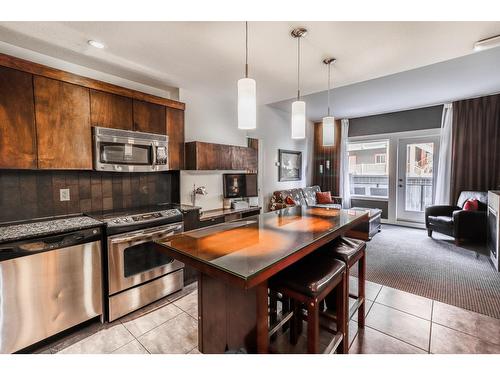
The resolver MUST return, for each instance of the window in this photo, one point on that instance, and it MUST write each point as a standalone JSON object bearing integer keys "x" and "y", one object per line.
{"x": 380, "y": 158}
{"x": 368, "y": 168}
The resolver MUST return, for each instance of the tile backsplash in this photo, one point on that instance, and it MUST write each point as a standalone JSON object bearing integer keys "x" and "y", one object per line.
{"x": 34, "y": 194}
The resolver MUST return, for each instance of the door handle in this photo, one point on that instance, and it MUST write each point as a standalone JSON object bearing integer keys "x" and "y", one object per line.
{"x": 400, "y": 185}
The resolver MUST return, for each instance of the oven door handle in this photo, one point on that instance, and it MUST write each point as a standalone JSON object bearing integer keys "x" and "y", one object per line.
{"x": 145, "y": 236}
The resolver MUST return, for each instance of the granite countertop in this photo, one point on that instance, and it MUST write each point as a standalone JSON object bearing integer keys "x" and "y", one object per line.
{"x": 22, "y": 231}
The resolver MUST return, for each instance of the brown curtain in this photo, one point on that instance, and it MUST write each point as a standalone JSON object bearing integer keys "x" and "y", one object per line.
{"x": 476, "y": 145}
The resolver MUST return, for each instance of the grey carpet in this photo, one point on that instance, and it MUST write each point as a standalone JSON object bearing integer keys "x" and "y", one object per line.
{"x": 406, "y": 259}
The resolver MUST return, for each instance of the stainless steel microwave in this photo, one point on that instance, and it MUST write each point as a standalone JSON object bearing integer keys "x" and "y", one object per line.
{"x": 118, "y": 150}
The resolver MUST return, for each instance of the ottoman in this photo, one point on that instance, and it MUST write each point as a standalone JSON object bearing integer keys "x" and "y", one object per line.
{"x": 365, "y": 231}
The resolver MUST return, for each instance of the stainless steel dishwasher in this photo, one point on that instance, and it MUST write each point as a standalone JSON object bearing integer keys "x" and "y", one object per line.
{"x": 47, "y": 285}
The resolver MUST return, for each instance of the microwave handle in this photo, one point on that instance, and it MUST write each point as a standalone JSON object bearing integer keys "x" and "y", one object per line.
{"x": 153, "y": 155}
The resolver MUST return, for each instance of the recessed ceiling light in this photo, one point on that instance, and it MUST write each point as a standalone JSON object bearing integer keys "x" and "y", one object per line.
{"x": 483, "y": 44}
{"x": 96, "y": 44}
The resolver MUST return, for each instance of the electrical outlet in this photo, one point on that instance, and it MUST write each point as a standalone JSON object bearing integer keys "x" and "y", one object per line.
{"x": 63, "y": 195}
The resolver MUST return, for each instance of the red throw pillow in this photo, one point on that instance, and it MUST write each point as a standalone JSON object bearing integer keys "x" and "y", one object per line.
{"x": 289, "y": 200}
{"x": 324, "y": 197}
{"x": 471, "y": 205}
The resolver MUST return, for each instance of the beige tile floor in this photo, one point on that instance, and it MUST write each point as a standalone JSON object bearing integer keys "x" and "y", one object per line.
{"x": 396, "y": 322}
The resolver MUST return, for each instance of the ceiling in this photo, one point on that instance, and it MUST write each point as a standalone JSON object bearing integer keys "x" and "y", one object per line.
{"x": 460, "y": 78}
{"x": 210, "y": 55}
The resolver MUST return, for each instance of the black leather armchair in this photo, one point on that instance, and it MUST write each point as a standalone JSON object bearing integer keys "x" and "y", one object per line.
{"x": 455, "y": 222}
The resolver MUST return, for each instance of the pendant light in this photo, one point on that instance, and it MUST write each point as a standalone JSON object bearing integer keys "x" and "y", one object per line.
{"x": 329, "y": 121}
{"x": 247, "y": 101}
{"x": 298, "y": 106}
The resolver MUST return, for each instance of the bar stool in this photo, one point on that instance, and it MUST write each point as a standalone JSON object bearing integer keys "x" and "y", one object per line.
{"x": 350, "y": 251}
{"x": 309, "y": 282}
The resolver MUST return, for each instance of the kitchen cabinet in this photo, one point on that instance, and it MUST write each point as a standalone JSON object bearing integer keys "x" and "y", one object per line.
{"x": 62, "y": 113}
{"x": 110, "y": 110}
{"x": 212, "y": 156}
{"x": 243, "y": 158}
{"x": 175, "y": 132}
{"x": 149, "y": 117}
{"x": 17, "y": 120}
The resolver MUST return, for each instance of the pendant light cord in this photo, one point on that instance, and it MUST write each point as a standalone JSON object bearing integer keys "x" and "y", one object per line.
{"x": 329, "y": 65}
{"x": 246, "y": 49}
{"x": 298, "y": 68}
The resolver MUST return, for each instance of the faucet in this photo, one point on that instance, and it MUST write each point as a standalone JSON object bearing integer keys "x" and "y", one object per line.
{"x": 200, "y": 190}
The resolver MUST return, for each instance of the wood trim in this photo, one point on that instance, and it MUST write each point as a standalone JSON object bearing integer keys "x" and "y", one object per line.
{"x": 45, "y": 71}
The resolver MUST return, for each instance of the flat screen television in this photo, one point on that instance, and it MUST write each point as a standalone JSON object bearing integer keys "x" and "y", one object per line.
{"x": 240, "y": 185}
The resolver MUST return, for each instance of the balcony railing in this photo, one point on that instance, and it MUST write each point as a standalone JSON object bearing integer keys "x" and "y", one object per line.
{"x": 368, "y": 169}
{"x": 418, "y": 193}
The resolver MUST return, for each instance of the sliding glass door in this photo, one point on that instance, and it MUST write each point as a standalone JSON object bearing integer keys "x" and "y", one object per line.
{"x": 417, "y": 166}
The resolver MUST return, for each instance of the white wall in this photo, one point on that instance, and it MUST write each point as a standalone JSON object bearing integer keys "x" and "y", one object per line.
{"x": 211, "y": 119}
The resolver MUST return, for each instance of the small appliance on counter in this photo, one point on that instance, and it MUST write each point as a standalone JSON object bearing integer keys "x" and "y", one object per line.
{"x": 239, "y": 205}
{"x": 493, "y": 227}
{"x": 138, "y": 274}
{"x": 47, "y": 285}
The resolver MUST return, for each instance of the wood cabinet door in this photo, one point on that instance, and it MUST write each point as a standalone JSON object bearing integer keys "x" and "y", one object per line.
{"x": 251, "y": 159}
{"x": 207, "y": 156}
{"x": 237, "y": 157}
{"x": 149, "y": 117}
{"x": 243, "y": 158}
{"x": 110, "y": 110}
{"x": 62, "y": 113}
{"x": 17, "y": 120}
{"x": 175, "y": 132}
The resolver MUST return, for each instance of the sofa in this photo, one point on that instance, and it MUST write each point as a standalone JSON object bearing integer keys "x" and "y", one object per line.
{"x": 456, "y": 222}
{"x": 301, "y": 197}
{"x": 307, "y": 197}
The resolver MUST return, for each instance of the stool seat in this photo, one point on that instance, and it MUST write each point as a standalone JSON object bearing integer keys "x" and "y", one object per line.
{"x": 311, "y": 275}
{"x": 347, "y": 249}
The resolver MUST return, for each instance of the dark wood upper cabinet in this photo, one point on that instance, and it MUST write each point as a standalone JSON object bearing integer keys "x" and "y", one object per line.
{"x": 212, "y": 156}
{"x": 243, "y": 158}
{"x": 62, "y": 113}
{"x": 175, "y": 132}
{"x": 110, "y": 110}
{"x": 149, "y": 117}
{"x": 17, "y": 120}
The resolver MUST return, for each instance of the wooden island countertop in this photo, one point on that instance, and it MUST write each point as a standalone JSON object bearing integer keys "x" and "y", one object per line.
{"x": 236, "y": 259}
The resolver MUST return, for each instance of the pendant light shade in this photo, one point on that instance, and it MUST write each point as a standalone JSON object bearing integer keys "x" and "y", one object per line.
{"x": 298, "y": 119}
{"x": 247, "y": 95}
{"x": 328, "y": 131}
{"x": 329, "y": 121}
{"x": 247, "y": 108}
{"x": 298, "y": 106}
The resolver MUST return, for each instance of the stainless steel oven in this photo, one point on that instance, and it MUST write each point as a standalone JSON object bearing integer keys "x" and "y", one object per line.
{"x": 137, "y": 273}
{"x": 128, "y": 151}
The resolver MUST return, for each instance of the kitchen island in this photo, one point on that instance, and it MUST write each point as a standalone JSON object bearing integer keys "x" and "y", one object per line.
{"x": 236, "y": 260}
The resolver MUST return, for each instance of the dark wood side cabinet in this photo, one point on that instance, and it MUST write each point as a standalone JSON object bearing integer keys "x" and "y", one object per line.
{"x": 326, "y": 156}
{"x": 213, "y": 156}
{"x": 17, "y": 120}
{"x": 149, "y": 117}
{"x": 62, "y": 112}
{"x": 175, "y": 132}
{"x": 110, "y": 110}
